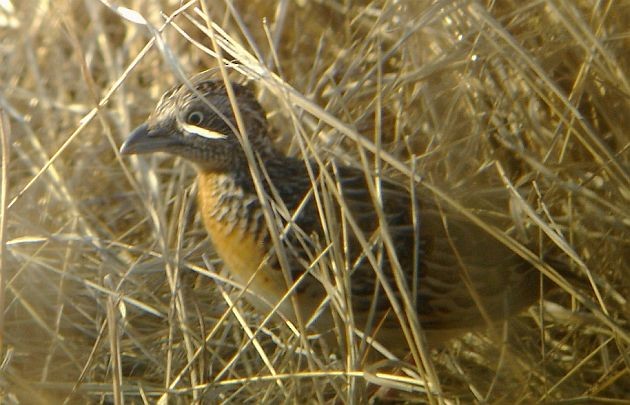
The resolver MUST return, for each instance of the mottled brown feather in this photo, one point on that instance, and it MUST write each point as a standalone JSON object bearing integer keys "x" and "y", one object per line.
{"x": 453, "y": 256}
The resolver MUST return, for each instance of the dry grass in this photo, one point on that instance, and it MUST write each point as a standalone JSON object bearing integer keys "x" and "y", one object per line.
{"x": 110, "y": 290}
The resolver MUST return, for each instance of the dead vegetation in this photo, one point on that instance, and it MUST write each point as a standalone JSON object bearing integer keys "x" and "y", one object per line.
{"x": 110, "y": 288}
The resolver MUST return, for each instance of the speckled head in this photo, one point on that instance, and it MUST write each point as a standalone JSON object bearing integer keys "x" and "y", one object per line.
{"x": 198, "y": 123}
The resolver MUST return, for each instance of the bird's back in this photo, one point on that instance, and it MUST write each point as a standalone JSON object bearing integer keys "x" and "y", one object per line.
{"x": 455, "y": 276}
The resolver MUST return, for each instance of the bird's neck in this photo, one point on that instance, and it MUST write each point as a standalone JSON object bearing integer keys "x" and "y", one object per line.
{"x": 230, "y": 205}
{"x": 226, "y": 205}
{"x": 273, "y": 168}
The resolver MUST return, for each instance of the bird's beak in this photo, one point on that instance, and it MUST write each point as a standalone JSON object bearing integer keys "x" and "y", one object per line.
{"x": 147, "y": 140}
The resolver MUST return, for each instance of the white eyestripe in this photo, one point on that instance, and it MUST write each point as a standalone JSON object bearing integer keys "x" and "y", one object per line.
{"x": 202, "y": 132}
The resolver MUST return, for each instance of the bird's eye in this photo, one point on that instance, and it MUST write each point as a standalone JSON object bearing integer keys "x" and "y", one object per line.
{"x": 195, "y": 118}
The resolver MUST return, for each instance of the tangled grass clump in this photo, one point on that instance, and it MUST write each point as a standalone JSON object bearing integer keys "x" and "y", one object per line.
{"x": 110, "y": 290}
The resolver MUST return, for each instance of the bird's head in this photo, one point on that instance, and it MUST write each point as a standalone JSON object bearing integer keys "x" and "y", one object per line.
{"x": 199, "y": 125}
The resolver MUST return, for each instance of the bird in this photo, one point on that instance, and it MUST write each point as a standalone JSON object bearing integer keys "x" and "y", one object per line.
{"x": 316, "y": 243}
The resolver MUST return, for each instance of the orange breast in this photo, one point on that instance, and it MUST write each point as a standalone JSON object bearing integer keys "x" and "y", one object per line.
{"x": 239, "y": 249}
